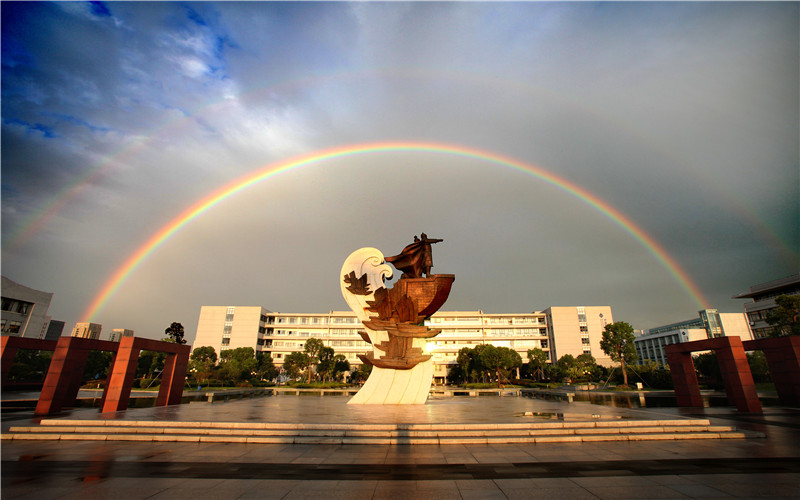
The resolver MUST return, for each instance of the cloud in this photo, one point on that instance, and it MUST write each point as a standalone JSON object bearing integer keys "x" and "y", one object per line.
{"x": 682, "y": 116}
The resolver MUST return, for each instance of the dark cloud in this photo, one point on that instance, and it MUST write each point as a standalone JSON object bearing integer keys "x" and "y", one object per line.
{"x": 681, "y": 116}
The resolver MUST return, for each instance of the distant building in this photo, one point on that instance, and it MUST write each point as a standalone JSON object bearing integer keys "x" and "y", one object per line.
{"x": 578, "y": 330}
{"x": 87, "y": 330}
{"x": 24, "y": 310}
{"x": 54, "y": 330}
{"x": 710, "y": 323}
{"x": 763, "y": 296}
{"x": 561, "y": 330}
{"x": 117, "y": 334}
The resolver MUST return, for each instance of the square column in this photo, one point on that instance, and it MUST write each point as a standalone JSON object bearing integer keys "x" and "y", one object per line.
{"x": 684, "y": 377}
{"x": 783, "y": 358}
{"x": 736, "y": 374}
{"x": 173, "y": 377}
{"x": 63, "y": 377}
{"x": 120, "y": 381}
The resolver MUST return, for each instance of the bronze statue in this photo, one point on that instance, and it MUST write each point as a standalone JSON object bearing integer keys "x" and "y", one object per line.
{"x": 416, "y": 259}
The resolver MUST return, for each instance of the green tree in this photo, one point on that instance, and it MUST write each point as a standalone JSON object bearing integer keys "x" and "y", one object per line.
{"x": 587, "y": 366}
{"x": 202, "y": 362}
{"x": 238, "y": 364}
{"x": 30, "y": 365}
{"x": 785, "y": 317}
{"x": 537, "y": 360}
{"x": 150, "y": 363}
{"x": 327, "y": 363}
{"x": 360, "y": 374}
{"x": 758, "y": 366}
{"x": 175, "y": 332}
{"x": 500, "y": 360}
{"x": 707, "y": 365}
{"x": 312, "y": 349}
{"x": 340, "y": 365}
{"x": 568, "y": 367}
{"x": 463, "y": 365}
{"x": 617, "y": 343}
{"x": 295, "y": 363}
{"x": 265, "y": 367}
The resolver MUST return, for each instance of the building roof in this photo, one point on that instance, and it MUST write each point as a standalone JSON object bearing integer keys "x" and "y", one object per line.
{"x": 787, "y": 284}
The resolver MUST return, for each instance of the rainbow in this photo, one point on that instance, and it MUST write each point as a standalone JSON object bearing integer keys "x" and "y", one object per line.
{"x": 39, "y": 218}
{"x": 210, "y": 201}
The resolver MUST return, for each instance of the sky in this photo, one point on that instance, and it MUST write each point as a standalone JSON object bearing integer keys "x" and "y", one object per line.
{"x": 649, "y": 153}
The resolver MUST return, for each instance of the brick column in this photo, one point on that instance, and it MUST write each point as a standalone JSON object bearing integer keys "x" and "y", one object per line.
{"x": 739, "y": 385}
{"x": 7, "y": 353}
{"x": 63, "y": 377}
{"x": 173, "y": 377}
{"x": 120, "y": 381}
{"x": 684, "y": 377}
{"x": 783, "y": 358}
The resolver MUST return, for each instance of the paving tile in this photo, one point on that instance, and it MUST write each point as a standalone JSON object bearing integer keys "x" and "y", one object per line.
{"x": 550, "y": 493}
{"x": 634, "y": 492}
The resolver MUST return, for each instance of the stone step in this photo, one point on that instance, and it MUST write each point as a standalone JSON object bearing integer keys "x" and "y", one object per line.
{"x": 284, "y": 433}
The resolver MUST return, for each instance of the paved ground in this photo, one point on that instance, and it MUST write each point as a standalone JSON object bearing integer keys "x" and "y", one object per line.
{"x": 738, "y": 468}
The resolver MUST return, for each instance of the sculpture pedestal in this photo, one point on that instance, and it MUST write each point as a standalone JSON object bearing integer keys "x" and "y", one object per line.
{"x": 402, "y": 371}
{"x": 396, "y": 387}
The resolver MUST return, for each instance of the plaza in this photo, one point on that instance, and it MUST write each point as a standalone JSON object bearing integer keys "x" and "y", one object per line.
{"x": 748, "y": 467}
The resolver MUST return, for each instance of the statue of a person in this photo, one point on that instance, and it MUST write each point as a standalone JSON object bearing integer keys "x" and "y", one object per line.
{"x": 416, "y": 259}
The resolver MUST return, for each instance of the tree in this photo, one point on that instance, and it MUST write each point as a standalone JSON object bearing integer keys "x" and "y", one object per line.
{"x": 327, "y": 363}
{"x": 202, "y": 362}
{"x": 265, "y": 367}
{"x": 238, "y": 364}
{"x": 30, "y": 365}
{"x": 537, "y": 360}
{"x": 175, "y": 332}
{"x": 617, "y": 342}
{"x": 500, "y": 360}
{"x": 150, "y": 363}
{"x": 294, "y": 363}
{"x": 463, "y": 365}
{"x": 312, "y": 349}
{"x": 587, "y": 366}
{"x": 568, "y": 367}
{"x": 785, "y": 318}
{"x": 360, "y": 374}
{"x": 340, "y": 365}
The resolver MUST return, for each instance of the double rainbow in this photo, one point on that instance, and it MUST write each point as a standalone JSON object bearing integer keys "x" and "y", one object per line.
{"x": 210, "y": 201}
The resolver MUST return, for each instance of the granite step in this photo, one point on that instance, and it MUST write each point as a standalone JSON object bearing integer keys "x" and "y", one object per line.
{"x": 392, "y": 434}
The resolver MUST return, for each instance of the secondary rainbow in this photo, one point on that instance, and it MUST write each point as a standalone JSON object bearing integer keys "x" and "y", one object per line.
{"x": 208, "y": 202}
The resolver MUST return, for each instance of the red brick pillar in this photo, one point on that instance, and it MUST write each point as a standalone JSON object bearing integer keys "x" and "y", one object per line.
{"x": 63, "y": 377}
{"x": 120, "y": 381}
{"x": 7, "y": 353}
{"x": 684, "y": 377}
{"x": 173, "y": 377}
{"x": 783, "y": 358}
{"x": 739, "y": 385}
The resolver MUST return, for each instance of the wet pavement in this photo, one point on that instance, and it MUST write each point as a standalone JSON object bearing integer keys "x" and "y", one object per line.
{"x": 712, "y": 468}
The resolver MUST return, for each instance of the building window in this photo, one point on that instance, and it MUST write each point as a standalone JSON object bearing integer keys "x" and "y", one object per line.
{"x": 231, "y": 310}
{"x": 226, "y": 340}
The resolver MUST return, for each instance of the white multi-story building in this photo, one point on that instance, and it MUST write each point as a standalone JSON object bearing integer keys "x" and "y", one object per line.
{"x": 709, "y": 324}
{"x": 557, "y": 331}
